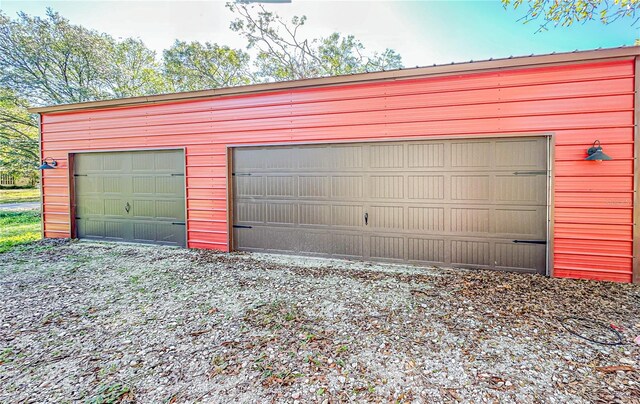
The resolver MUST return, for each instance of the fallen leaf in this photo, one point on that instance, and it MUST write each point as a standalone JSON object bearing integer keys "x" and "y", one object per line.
{"x": 418, "y": 292}
{"x": 496, "y": 379}
{"x": 453, "y": 394}
{"x": 613, "y": 369}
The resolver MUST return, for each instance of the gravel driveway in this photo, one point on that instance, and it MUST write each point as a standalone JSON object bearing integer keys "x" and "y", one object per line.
{"x": 19, "y": 206}
{"x": 94, "y": 322}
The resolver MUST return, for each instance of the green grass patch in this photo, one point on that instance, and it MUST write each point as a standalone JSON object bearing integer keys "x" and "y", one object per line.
{"x": 6, "y": 355}
{"x": 19, "y": 195}
{"x": 110, "y": 394}
{"x": 19, "y": 227}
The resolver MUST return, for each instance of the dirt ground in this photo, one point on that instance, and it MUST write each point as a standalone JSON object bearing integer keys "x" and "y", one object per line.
{"x": 99, "y": 323}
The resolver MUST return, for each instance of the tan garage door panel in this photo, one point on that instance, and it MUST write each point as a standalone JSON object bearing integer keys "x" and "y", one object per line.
{"x": 131, "y": 196}
{"x": 452, "y": 202}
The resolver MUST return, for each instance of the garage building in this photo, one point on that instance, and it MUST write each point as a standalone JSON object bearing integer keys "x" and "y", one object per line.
{"x": 479, "y": 164}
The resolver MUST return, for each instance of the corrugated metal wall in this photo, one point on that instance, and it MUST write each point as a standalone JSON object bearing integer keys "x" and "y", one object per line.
{"x": 579, "y": 103}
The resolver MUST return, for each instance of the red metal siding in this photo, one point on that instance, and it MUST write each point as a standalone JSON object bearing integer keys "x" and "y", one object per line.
{"x": 579, "y": 103}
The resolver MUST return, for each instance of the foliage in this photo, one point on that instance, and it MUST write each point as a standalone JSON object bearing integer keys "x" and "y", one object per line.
{"x": 284, "y": 54}
{"x": 198, "y": 66}
{"x": 18, "y": 135}
{"x": 344, "y": 55}
{"x": 7, "y": 355}
{"x": 50, "y": 61}
{"x": 14, "y": 187}
{"x": 131, "y": 69}
{"x": 568, "y": 12}
{"x": 110, "y": 394}
{"x": 19, "y": 195}
{"x": 18, "y": 228}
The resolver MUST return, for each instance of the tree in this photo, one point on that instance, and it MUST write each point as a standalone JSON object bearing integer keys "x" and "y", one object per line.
{"x": 51, "y": 61}
{"x": 568, "y": 12}
{"x": 284, "y": 54}
{"x": 344, "y": 55}
{"x": 18, "y": 135}
{"x": 47, "y": 61}
{"x": 131, "y": 69}
{"x": 197, "y": 66}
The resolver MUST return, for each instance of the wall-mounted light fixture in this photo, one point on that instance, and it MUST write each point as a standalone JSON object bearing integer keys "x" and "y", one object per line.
{"x": 595, "y": 153}
{"x": 48, "y": 163}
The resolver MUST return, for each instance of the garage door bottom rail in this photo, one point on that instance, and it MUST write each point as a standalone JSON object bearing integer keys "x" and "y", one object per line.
{"x": 500, "y": 254}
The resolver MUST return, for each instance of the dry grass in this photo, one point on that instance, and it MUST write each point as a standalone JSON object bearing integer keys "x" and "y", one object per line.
{"x": 19, "y": 195}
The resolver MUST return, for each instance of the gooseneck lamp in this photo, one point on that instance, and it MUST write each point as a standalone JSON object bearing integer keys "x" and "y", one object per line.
{"x": 48, "y": 163}
{"x": 595, "y": 153}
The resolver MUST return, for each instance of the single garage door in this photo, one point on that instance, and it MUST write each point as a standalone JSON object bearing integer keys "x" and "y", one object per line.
{"x": 470, "y": 203}
{"x": 131, "y": 196}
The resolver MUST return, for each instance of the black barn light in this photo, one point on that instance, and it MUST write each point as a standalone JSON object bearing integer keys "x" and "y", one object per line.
{"x": 48, "y": 165}
{"x": 595, "y": 153}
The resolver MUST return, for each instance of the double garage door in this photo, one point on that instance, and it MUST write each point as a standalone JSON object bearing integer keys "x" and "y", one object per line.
{"x": 131, "y": 196}
{"x": 474, "y": 203}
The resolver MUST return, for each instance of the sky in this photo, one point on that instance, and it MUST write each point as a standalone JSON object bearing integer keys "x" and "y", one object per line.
{"x": 423, "y": 32}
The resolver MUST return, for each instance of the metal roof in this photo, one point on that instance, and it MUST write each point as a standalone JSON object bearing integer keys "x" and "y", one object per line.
{"x": 405, "y": 73}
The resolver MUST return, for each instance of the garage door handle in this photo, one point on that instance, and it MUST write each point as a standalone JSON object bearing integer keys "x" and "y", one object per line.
{"x": 540, "y": 172}
{"x": 530, "y": 241}
{"x": 366, "y": 219}
{"x": 127, "y": 207}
